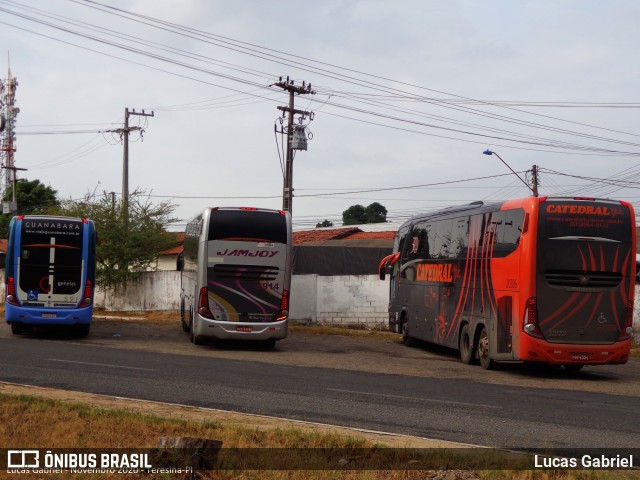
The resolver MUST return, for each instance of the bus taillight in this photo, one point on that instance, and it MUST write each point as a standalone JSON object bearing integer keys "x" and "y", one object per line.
{"x": 203, "y": 304}
{"x": 11, "y": 291}
{"x": 88, "y": 291}
{"x": 531, "y": 318}
{"x": 627, "y": 328}
{"x": 283, "y": 314}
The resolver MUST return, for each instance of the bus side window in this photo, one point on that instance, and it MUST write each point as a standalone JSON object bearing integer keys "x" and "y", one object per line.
{"x": 508, "y": 229}
{"x": 402, "y": 240}
{"x": 460, "y": 238}
{"x": 440, "y": 239}
{"x": 418, "y": 242}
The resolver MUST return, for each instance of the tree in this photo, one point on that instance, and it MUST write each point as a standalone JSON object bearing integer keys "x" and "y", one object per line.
{"x": 125, "y": 245}
{"x": 375, "y": 213}
{"x": 33, "y": 197}
{"x": 358, "y": 215}
{"x": 354, "y": 215}
{"x": 325, "y": 223}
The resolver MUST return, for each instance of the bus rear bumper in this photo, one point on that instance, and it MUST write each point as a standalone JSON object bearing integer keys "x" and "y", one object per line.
{"x": 47, "y": 316}
{"x": 205, "y": 328}
{"x": 567, "y": 354}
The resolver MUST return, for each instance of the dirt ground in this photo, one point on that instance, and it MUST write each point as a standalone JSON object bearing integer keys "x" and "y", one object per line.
{"x": 383, "y": 353}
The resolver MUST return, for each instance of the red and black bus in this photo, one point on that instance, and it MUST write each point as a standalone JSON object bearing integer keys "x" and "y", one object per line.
{"x": 539, "y": 279}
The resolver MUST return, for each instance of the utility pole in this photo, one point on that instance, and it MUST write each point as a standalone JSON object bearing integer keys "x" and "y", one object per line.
{"x": 534, "y": 180}
{"x": 296, "y": 139}
{"x": 125, "y": 156}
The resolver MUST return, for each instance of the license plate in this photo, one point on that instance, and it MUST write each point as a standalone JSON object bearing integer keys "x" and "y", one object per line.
{"x": 244, "y": 329}
{"x": 581, "y": 358}
{"x": 49, "y": 315}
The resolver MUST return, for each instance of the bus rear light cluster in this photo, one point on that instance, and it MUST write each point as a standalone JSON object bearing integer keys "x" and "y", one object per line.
{"x": 627, "y": 327}
{"x": 11, "y": 291}
{"x": 203, "y": 304}
{"x": 531, "y": 318}
{"x": 88, "y": 293}
{"x": 283, "y": 314}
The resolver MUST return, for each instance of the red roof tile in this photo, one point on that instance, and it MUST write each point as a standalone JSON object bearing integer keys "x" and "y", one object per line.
{"x": 347, "y": 233}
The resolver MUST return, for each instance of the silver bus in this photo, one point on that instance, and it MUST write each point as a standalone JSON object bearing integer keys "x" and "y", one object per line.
{"x": 236, "y": 275}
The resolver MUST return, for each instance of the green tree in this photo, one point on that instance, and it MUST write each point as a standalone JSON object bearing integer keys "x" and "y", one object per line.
{"x": 358, "y": 215}
{"x": 375, "y": 213}
{"x": 125, "y": 245}
{"x": 33, "y": 197}
{"x": 354, "y": 215}
{"x": 325, "y": 223}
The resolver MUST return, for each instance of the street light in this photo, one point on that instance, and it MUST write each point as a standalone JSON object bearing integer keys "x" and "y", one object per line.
{"x": 489, "y": 152}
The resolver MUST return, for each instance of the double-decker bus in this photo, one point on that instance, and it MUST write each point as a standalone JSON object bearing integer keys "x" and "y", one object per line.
{"x": 236, "y": 275}
{"x": 539, "y": 279}
{"x": 50, "y": 272}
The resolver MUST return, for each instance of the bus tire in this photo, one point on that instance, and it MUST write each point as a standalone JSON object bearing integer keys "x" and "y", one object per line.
{"x": 183, "y": 318}
{"x": 269, "y": 344}
{"x": 467, "y": 346}
{"x": 82, "y": 330}
{"x": 483, "y": 350}
{"x": 16, "y": 328}
{"x": 573, "y": 367}
{"x": 406, "y": 338}
{"x": 194, "y": 338}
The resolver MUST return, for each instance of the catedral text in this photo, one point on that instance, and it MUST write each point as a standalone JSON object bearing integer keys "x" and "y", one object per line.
{"x": 434, "y": 272}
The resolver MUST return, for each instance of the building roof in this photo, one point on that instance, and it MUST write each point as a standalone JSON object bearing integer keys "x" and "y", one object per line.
{"x": 346, "y": 234}
{"x": 177, "y": 250}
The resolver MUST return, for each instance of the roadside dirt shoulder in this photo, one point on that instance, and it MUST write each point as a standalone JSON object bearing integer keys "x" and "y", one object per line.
{"x": 377, "y": 355}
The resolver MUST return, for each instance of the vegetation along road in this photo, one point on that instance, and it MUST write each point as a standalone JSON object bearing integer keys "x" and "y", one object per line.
{"x": 372, "y": 383}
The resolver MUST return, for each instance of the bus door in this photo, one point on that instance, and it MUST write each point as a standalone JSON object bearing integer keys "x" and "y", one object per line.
{"x": 585, "y": 261}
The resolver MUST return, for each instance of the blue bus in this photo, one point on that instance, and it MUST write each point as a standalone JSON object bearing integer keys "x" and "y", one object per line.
{"x": 50, "y": 272}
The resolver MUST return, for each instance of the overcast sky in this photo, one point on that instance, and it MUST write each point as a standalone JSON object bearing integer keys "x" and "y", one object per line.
{"x": 408, "y": 93}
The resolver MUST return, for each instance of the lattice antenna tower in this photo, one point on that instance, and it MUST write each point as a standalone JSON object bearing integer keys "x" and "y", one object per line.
{"x": 8, "y": 115}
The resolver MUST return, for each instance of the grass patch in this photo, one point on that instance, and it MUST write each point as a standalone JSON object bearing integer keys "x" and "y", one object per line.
{"x": 34, "y": 422}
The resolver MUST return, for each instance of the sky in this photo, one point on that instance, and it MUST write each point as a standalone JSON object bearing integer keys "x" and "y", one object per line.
{"x": 408, "y": 95}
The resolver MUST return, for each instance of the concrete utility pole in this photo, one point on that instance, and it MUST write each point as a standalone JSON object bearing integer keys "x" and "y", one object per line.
{"x": 304, "y": 89}
{"x": 125, "y": 140}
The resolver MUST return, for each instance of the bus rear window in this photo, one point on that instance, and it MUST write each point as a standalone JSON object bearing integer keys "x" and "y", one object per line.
{"x": 248, "y": 225}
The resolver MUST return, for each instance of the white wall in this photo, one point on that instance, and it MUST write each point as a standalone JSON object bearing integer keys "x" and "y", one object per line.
{"x": 346, "y": 300}
{"x": 151, "y": 291}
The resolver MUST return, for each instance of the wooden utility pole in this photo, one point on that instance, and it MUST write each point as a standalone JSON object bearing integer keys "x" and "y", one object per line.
{"x": 304, "y": 89}
{"x": 534, "y": 180}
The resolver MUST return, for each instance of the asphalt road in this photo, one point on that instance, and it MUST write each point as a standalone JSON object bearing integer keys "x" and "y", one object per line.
{"x": 457, "y": 408}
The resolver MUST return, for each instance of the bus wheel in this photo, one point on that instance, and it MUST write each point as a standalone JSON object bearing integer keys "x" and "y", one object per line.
{"x": 483, "y": 350}
{"x": 16, "y": 328}
{"x": 183, "y": 318}
{"x": 467, "y": 347}
{"x": 406, "y": 339}
{"x": 194, "y": 338}
{"x": 573, "y": 367}
{"x": 82, "y": 330}
{"x": 269, "y": 344}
